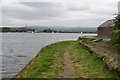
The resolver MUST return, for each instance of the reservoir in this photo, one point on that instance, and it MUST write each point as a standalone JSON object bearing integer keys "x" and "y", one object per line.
{"x": 19, "y": 48}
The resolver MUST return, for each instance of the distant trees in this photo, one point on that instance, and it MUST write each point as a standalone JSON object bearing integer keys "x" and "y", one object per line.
{"x": 49, "y": 30}
{"x": 6, "y": 29}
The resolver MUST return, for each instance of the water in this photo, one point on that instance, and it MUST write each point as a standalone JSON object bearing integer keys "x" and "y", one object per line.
{"x": 19, "y": 48}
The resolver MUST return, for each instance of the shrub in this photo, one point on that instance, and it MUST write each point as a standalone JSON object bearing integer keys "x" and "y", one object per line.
{"x": 117, "y": 21}
{"x": 115, "y": 41}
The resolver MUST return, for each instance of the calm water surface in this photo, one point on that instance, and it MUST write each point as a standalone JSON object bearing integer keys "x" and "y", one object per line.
{"x": 19, "y": 48}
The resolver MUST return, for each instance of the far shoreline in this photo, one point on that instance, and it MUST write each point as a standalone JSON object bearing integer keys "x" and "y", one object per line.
{"x": 53, "y": 33}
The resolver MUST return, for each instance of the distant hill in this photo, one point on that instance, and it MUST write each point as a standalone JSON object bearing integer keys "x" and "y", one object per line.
{"x": 70, "y": 29}
{"x": 59, "y": 28}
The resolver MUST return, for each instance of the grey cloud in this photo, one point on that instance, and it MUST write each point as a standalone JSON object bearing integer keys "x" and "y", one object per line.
{"x": 78, "y": 7}
{"x": 38, "y": 4}
{"x": 34, "y": 13}
{"x": 61, "y": 13}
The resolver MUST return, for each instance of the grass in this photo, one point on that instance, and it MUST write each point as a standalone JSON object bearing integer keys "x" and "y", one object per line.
{"x": 88, "y": 42}
{"x": 49, "y": 63}
{"x": 87, "y": 65}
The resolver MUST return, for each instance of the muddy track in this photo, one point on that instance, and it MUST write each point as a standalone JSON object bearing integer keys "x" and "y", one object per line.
{"x": 68, "y": 68}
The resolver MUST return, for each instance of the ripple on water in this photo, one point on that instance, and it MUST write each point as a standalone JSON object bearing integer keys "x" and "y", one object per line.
{"x": 21, "y": 56}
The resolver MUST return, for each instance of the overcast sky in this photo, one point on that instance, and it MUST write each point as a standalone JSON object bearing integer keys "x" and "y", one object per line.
{"x": 82, "y": 13}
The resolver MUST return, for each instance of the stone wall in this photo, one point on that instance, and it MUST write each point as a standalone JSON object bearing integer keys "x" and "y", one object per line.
{"x": 105, "y": 31}
{"x": 111, "y": 62}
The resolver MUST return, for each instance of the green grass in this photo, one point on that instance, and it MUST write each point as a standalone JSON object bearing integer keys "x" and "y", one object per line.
{"x": 88, "y": 42}
{"x": 87, "y": 65}
{"x": 49, "y": 63}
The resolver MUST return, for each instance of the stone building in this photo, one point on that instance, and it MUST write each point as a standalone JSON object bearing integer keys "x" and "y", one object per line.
{"x": 105, "y": 29}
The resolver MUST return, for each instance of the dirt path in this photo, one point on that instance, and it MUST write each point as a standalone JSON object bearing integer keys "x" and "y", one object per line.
{"x": 68, "y": 68}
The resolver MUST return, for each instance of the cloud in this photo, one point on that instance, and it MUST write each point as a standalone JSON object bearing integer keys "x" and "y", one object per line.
{"x": 33, "y": 11}
{"x": 76, "y": 6}
{"x": 58, "y": 13}
{"x": 38, "y": 4}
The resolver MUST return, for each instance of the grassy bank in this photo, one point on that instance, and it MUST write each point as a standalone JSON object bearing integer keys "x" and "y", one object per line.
{"x": 49, "y": 63}
{"x": 87, "y": 65}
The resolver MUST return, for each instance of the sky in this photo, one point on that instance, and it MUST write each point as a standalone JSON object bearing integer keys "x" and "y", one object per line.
{"x": 65, "y": 13}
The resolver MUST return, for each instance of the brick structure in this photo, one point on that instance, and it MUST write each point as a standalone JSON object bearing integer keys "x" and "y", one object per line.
{"x": 105, "y": 29}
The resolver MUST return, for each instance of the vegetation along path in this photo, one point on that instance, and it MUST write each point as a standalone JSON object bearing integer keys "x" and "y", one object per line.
{"x": 65, "y": 59}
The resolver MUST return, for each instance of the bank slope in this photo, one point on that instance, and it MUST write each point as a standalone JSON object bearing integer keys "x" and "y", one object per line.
{"x": 49, "y": 63}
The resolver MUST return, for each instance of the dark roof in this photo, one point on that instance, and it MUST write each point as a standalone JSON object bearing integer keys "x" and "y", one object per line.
{"x": 108, "y": 23}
